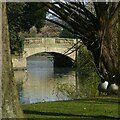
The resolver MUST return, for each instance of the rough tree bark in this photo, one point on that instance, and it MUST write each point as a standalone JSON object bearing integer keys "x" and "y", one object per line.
{"x": 108, "y": 62}
{"x": 10, "y": 102}
{"x": 118, "y": 39}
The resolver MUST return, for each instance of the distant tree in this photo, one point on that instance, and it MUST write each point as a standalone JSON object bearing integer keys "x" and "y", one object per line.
{"x": 21, "y": 17}
{"x": 50, "y": 30}
{"x": 34, "y": 15}
{"x": 15, "y": 18}
{"x": 95, "y": 29}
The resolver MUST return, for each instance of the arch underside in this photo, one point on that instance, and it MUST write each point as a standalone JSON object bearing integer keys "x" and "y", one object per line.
{"x": 32, "y": 51}
{"x": 60, "y": 60}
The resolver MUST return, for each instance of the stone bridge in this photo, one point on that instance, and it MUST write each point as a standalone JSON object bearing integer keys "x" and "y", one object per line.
{"x": 33, "y": 46}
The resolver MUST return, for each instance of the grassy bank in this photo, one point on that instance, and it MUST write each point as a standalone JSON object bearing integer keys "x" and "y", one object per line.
{"x": 96, "y": 108}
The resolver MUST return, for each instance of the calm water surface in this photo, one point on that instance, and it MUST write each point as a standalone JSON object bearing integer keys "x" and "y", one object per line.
{"x": 42, "y": 82}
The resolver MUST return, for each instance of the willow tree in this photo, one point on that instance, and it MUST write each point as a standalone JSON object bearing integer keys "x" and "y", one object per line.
{"x": 10, "y": 103}
{"x": 95, "y": 29}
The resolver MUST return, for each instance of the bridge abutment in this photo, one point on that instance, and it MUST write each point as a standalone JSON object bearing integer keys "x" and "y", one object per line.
{"x": 19, "y": 62}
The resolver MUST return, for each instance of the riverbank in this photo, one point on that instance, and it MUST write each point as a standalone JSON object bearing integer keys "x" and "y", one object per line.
{"x": 101, "y": 108}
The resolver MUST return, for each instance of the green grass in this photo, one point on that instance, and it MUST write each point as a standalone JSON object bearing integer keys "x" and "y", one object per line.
{"x": 95, "y": 108}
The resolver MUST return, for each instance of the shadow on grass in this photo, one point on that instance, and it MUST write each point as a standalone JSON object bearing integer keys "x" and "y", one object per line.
{"x": 109, "y": 101}
{"x": 68, "y": 115}
{"x": 102, "y": 100}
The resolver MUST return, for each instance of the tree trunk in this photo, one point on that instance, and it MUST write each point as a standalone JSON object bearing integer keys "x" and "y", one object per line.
{"x": 108, "y": 63}
{"x": 105, "y": 57}
{"x": 10, "y": 102}
{"x": 118, "y": 38}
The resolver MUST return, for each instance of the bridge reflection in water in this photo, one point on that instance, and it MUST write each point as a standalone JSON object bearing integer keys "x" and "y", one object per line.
{"x": 42, "y": 82}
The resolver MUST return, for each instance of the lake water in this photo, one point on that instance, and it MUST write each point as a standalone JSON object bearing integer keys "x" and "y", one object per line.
{"x": 41, "y": 82}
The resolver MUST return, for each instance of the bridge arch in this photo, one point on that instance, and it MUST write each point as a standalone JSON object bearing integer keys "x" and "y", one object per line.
{"x": 58, "y": 46}
{"x": 59, "y": 59}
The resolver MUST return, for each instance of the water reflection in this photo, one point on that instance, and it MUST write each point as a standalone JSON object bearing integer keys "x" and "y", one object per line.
{"x": 42, "y": 82}
{"x": 38, "y": 84}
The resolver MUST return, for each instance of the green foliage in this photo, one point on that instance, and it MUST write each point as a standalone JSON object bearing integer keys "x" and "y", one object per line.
{"x": 21, "y": 17}
{"x": 14, "y": 41}
{"x": 34, "y": 15}
{"x": 86, "y": 87}
{"x": 15, "y": 15}
{"x": 94, "y": 81}
{"x": 68, "y": 90}
{"x": 15, "y": 18}
{"x": 85, "y": 62}
{"x": 87, "y": 73}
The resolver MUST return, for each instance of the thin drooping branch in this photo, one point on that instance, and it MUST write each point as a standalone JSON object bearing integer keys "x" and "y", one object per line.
{"x": 75, "y": 22}
{"x": 86, "y": 13}
{"x": 79, "y": 15}
{"x": 62, "y": 25}
{"x": 73, "y": 48}
{"x": 54, "y": 14}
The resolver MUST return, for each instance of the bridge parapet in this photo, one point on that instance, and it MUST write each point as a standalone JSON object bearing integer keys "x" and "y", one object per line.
{"x": 63, "y": 41}
{"x": 59, "y": 45}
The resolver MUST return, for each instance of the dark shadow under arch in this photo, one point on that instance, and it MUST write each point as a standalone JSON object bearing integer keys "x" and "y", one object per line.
{"x": 60, "y": 60}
